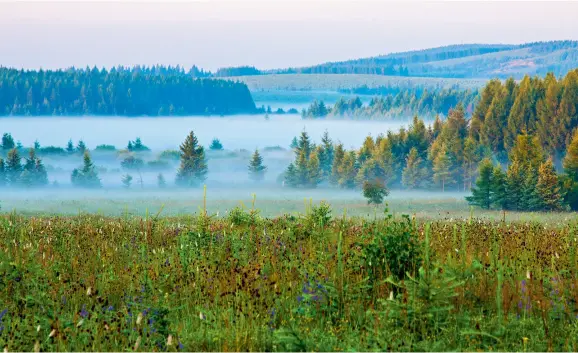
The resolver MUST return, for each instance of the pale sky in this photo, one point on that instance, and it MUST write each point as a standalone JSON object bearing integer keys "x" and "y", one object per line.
{"x": 266, "y": 34}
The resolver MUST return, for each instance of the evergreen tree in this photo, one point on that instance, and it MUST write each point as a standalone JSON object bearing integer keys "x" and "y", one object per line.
{"x": 414, "y": 173}
{"x": 326, "y": 155}
{"x": 34, "y": 173}
{"x": 161, "y": 181}
{"x": 81, "y": 147}
{"x": 571, "y": 159}
{"x": 441, "y": 168}
{"x": 126, "y": 181}
{"x": 2, "y": 173}
{"x": 290, "y": 178}
{"x": 348, "y": 171}
{"x": 13, "y": 167}
{"x": 336, "y": 165}
{"x": 314, "y": 173}
{"x": 294, "y": 143}
{"x": 470, "y": 159}
{"x": 531, "y": 199}
{"x": 70, "y": 147}
{"x": 515, "y": 179}
{"x": 216, "y": 145}
{"x": 499, "y": 189}
{"x": 132, "y": 163}
{"x": 87, "y": 175}
{"x": 193, "y": 169}
{"x": 548, "y": 187}
{"x": 256, "y": 167}
{"x": 366, "y": 150}
{"x": 130, "y": 146}
{"x": 139, "y": 146}
{"x": 482, "y": 192}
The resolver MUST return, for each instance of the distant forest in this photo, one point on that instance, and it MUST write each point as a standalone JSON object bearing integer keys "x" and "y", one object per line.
{"x": 155, "y": 91}
{"x": 405, "y": 103}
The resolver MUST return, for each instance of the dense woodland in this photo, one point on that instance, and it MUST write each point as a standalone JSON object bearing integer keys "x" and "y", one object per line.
{"x": 155, "y": 91}
{"x": 406, "y": 103}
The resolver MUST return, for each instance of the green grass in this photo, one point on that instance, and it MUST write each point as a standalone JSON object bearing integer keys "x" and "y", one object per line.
{"x": 313, "y": 281}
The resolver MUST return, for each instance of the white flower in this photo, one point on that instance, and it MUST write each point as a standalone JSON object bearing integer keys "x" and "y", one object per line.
{"x": 137, "y": 343}
{"x": 52, "y": 333}
{"x": 391, "y": 295}
{"x": 170, "y": 340}
{"x": 139, "y": 319}
{"x": 202, "y": 316}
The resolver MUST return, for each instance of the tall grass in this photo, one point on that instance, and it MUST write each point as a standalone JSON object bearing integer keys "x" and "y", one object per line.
{"x": 241, "y": 282}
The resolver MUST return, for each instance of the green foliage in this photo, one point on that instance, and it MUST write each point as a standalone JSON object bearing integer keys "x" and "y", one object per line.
{"x": 126, "y": 181}
{"x": 132, "y": 163}
{"x": 216, "y": 145}
{"x": 256, "y": 167}
{"x": 482, "y": 194}
{"x": 161, "y": 183}
{"x": 374, "y": 191}
{"x": 137, "y": 146}
{"x": 87, "y": 175}
{"x": 105, "y": 148}
{"x": 193, "y": 169}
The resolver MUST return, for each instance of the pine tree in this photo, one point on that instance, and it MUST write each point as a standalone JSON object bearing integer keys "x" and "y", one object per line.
{"x": 256, "y": 167}
{"x": 336, "y": 165}
{"x": 87, "y": 175}
{"x": 81, "y": 147}
{"x": 414, "y": 173}
{"x": 294, "y": 143}
{"x": 290, "y": 178}
{"x": 13, "y": 167}
{"x": 482, "y": 192}
{"x": 348, "y": 171}
{"x": 139, "y": 146}
{"x": 571, "y": 159}
{"x": 548, "y": 187}
{"x": 531, "y": 199}
{"x": 130, "y": 146}
{"x": 314, "y": 174}
{"x": 161, "y": 181}
{"x": 499, "y": 189}
{"x": 70, "y": 147}
{"x": 441, "y": 168}
{"x": 326, "y": 155}
{"x": 216, "y": 145}
{"x": 193, "y": 169}
{"x": 34, "y": 173}
{"x": 515, "y": 179}
{"x": 126, "y": 181}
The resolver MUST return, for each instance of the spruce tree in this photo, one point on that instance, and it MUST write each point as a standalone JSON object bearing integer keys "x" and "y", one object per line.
{"x": 571, "y": 159}
{"x": 290, "y": 178}
{"x": 336, "y": 165}
{"x": 193, "y": 169}
{"x": 531, "y": 199}
{"x": 2, "y": 173}
{"x": 326, "y": 155}
{"x": 482, "y": 192}
{"x": 441, "y": 167}
{"x": 81, "y": 147}
{"x": 548, "y": 187}
{"x": 70, "y": 147}
{"x": 348, "y": 171}
{"x": 216, "y": 145}
{"x": 256, "y": 167}
{"x": 87, "y": 175}
{"x": 7, "y": 142}
{"x": 515, "y": 179}
{"x": 414, "y": 173}
{"x": 13, "y": 167}
{"x": 499, "y": 189}
{"x": 314, "y": 174}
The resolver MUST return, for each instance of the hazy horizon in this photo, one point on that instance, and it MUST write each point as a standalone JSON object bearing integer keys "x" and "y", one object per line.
{"x": 272, "y": 34}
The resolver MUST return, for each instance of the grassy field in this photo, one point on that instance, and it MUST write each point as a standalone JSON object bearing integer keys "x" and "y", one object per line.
{"x": 313, "y": 281}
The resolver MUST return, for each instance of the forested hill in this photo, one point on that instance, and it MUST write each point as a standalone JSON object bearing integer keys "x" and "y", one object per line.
{"x": 461, "y": 61}
{"x": 118, "y": 92}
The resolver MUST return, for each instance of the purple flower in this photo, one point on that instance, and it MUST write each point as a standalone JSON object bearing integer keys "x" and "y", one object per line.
{"x": 83, "y": 312}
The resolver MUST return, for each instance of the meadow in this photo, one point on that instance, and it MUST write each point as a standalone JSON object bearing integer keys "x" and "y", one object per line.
{"x": 319, "y": 279}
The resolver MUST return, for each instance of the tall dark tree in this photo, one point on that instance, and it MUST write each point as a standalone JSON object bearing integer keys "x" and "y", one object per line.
{"x": 256, "y": 167}
{"x": 193, "y": 169}
{"x": 87, "y": 175}
{"x": 482, "y": 192}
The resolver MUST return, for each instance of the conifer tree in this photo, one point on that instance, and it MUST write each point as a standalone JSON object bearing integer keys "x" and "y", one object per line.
{"x": 87, "y": 175}
{"x": 256, "y": 167}
{"x": 161, "y": 181}
{"x": 531, "y": 199}
{"x": 81, "y": 147}
{"x": 515, "y": 179}
{"x": 366, "y": 150}
{"x": 326, "y": 155}
{"x": 441, "y": 167}
{"x": 7, "y": 142}
{"x": 414, "y": 173}
{"x": 34, "y": 173}
{"x": 336, "y": 165}
{"x": 216, "y": 145}
{"x": 548, "y": 187}
{"x": 571, "y": 159}
{"x": 294, "y": 143}
{"x": 499, "y": 189}
{"x": 314, "y": 173}
{"x": 70, "y": 147}
{"x": 437, "y": 127}
{"x": 13, "y": 167}
{"x": 348, "y": 171}
{"x": 290, "y": 177}
{"x": 470, "y": 160}
{"x": 193, "y": 169}
{"x": 482, "y": 192}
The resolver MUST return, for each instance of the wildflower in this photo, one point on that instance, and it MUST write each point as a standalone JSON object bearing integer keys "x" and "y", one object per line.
{"x": 139, "y": 319}
{"x": 83, "y": 312}
{"x": 89, "y": 291}
{"x": 38, "y": 328}
{"x": 391, "y": 295}
{"x": 202, "y": 316}
{"x": 37, "y": 347}
{"x": 52, "y": 333}
{"x": 170, "y": 340}
{"x": 528, "y": 274}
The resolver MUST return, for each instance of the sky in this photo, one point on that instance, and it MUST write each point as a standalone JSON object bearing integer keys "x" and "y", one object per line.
{"x": 266, "y": 34}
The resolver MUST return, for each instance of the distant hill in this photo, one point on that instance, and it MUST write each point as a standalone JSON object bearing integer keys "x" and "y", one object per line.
{"x": 459, "y": 61}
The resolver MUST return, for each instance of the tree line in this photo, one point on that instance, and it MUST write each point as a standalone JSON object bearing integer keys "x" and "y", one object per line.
{"x": 118, "y": 92}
